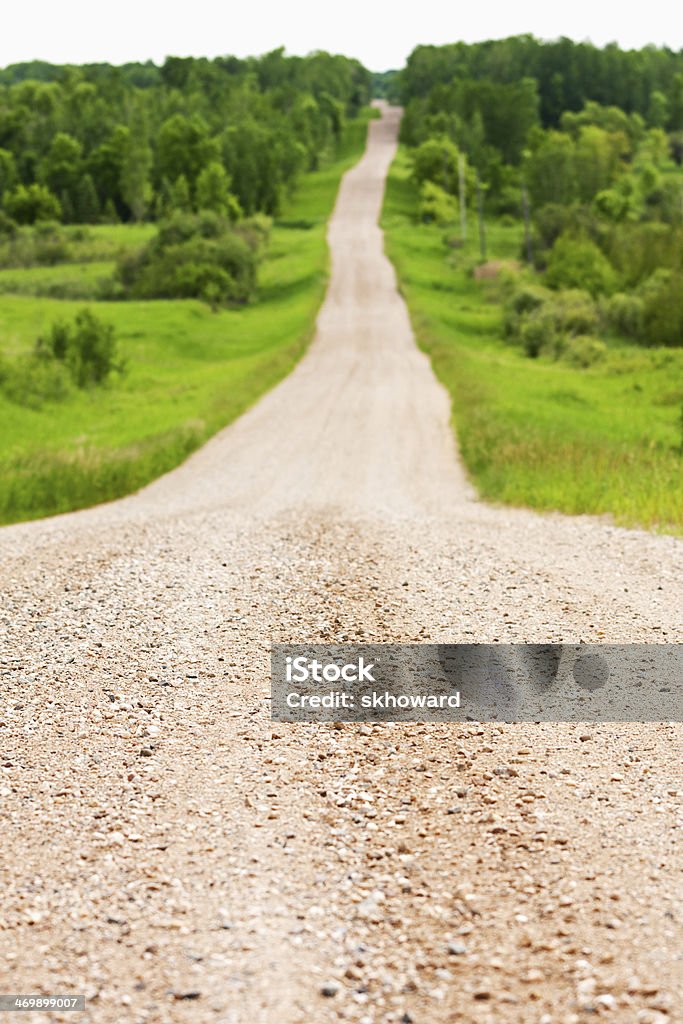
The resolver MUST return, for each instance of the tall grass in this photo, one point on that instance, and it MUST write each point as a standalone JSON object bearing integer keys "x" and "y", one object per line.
{"x": 189, "y": 371}
{"x": 537, "y": 432}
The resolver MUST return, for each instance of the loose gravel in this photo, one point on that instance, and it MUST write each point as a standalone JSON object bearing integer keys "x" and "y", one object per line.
{"x": 176, "y": 856}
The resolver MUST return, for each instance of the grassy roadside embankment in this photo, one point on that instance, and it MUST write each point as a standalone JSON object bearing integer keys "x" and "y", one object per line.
{"x": 189, "y": 371}
{"x": 538, "y": 432}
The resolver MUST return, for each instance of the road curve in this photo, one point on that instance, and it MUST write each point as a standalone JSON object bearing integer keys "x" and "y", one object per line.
{"x": 175, "y": 856}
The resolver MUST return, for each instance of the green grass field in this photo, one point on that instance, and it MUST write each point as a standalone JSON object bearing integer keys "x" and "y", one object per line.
{"x": 189, "y": 371}
{"x": 537, "y": 432}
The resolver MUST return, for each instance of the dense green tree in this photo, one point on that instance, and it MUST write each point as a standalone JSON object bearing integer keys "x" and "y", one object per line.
{"x": 27, "y": 204}
{"x": 87, "y": 206}
{"x": 136, "y": 167}
{"x": 8, "y": 171}
{"x": 436, "y": 204}
{"x": 105, "y": 165}
{"x": 184, "y": 146}
{"x": 675, "y": 98}
{"x": 213, "y": 191}
{"x": 252, "y": 162}
{"x": 597, "y": 160}
{"x": 136, "y": 129}
{"x": 179, "y": 196}
{"x": 436, "y": 160}
{"x": 658, "y": 109}
{"x": 63, "y": 164}
{"x": 579, "y": 263}
{"x": 551, "y": 170}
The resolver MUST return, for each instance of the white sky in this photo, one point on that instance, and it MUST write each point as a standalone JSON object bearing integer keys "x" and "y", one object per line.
{"x": 380, "y": 34}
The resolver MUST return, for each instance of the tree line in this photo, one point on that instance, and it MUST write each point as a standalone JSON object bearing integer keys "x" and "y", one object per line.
{"x": 586, "y": 145}
{"x": 566, "y": 75}
{"x": 138, "y": 142}
{"x": 570, "y": 114}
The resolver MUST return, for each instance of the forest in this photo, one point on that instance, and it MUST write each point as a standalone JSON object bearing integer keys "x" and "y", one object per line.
{"x": 102, "y": 143}
{"x": 586, "y": 142}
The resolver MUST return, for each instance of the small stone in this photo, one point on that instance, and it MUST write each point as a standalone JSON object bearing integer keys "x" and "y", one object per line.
{"x": 455, "y": 949}
{"x": 607, "y": 1001}
{"x": 146, "y": 752}
{"x": 329, "y": 989}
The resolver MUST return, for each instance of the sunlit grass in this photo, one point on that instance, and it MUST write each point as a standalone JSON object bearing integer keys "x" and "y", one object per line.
{"x": 603, "y": 440}
{"x": 188, "y": 371}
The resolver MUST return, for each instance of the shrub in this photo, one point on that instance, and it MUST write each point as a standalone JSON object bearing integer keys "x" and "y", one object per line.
{"x": 27, "y": 204}
{"x": 437, "y": 160}
{"x": 579, "y": 263}
{"x": 49, "y": 250}
{"x": 195, "y": 256}
{"x": 538, "y": 333}
{"x": 516, "y": 312}
{"x": 543, "y": 321}
{"x": 624, "y": 314}
{"x": 524, "y": 300}
{"x": 32, "y": 380}
{"x": 42, "y": 245}
{"x": 8, "y": 227}
{"x": 552, "y": 220}
{"x": 663, "y": 313}
{"x": 436, "y": 205}
{"x": 638, "y": 250}
{"x": 255, "y": 230}
{"x": 87, "y": 348}
{"x": 575, "y": 312}
{"x": 78, "y": 233}
{"x": 508, "y": 204}
{"x": 584, "y": 350}
{"x": 82, "y": 353}
{"x": 653, "y": 284}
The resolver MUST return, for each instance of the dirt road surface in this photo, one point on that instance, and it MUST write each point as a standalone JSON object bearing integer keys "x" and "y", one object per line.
{"x": 174, "y": 855}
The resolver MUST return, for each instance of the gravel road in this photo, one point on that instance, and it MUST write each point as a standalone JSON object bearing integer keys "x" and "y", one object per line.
{"x": 174, "y": 855}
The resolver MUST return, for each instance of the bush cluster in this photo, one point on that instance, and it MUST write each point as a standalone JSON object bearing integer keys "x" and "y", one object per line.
{"x": 577, "y": 262}
{"x": 43, "y": 245}
{"x": 551, "y": 322}
{"x": 558, "y": 324}
{"x": 81, "y": 354}
{"x": 652, "y": 314}
{"x": 201, "y": 256}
